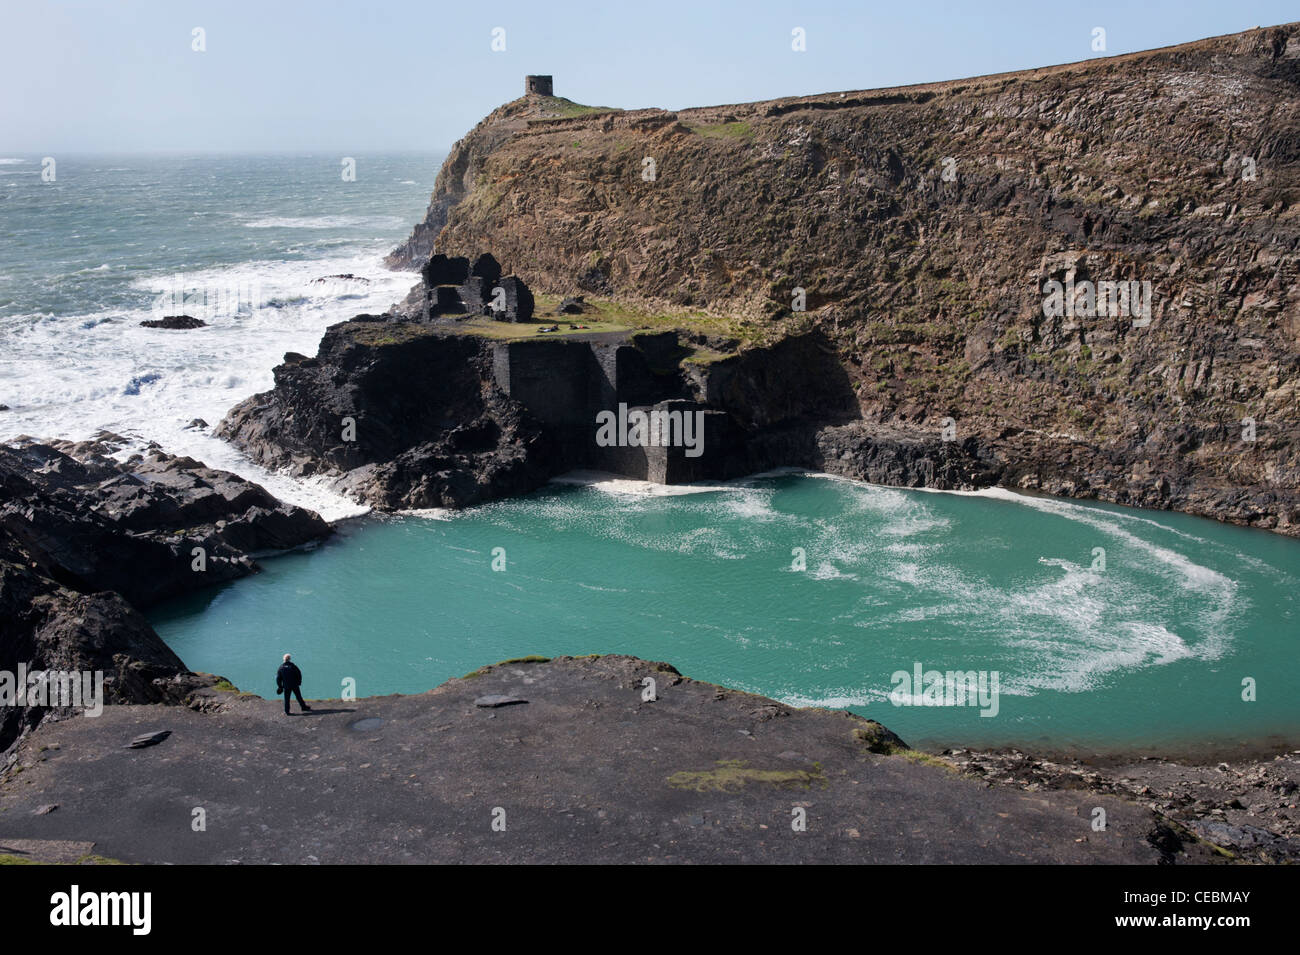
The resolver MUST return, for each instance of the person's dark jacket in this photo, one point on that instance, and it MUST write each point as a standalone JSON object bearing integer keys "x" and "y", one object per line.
{"x": 288, "y": 677}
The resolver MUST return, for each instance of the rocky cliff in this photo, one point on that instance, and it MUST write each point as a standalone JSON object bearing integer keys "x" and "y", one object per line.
{"x": 86, "y": 541}
{"x": 408, "y": 417}
{"x": 418, "y": 414}
{"x": 925, "y": 226}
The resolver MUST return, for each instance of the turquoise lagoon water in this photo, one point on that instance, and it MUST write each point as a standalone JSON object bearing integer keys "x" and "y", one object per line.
{"x": 1149, "y": 653}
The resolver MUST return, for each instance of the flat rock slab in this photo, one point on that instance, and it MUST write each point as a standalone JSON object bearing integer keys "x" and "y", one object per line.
{"x": 587, "y": 772}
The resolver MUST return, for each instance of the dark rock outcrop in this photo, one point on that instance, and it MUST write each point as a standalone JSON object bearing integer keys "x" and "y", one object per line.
{"x": 45, "y": 626}
{"x": 428, "y": 426}
{"x": 85, "y": 540}
{"x": 93, "y": 523}
{"x": 444, "y": 418}
{"x": 177, "y": 322}
{"x": 344, "y": 276}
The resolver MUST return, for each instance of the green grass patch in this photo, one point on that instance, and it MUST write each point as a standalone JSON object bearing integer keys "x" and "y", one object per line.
{"x": 486, "y": 327}
{"x": 732, "y": 775}
{"x": 567, "y": 109}
{"x": 608, "y": 315}
{"x": 733, "y": 130}
{"x": 916, "y": 756}
{"x": 662, "y": 319}
{"x": 878, "y": 740}
{"x": 390, "y": 333}
{"x": 88, "y": 859}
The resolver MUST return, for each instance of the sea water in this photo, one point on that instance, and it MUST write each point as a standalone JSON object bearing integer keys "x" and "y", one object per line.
{"x": 249, "y": 242}
{"x": 1107, "y": 628}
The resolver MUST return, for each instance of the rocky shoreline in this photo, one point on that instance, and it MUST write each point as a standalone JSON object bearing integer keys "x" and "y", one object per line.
{"x": 87, "y": 541}
{"x": 1247, "y": 807}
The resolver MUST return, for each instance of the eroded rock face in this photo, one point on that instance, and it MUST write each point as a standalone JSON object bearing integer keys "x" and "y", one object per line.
{"x": 923, "y": 225}
{"x": 429, "y": 427}
{"x": 416, "y": 414}
{"x": 92, "y": 523}
{"x": 86, "y": 539}
{"x": 463, "y": 163}
{"x": 47, "y": 626}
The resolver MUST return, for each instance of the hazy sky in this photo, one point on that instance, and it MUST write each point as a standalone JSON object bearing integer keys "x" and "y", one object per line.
{"x": 121, "y": 75}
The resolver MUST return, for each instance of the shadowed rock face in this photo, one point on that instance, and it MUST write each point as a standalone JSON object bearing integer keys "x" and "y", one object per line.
{"x": 922, "y": 224}
{"x": 92, "y": 523}
{"x": 441, "y": 418}
{"x": 86, "y": 539}
{"x": 429, "y": 428}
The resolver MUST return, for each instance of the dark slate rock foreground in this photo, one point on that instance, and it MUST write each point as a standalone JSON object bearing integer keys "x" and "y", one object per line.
{"x": 588, "y": 771}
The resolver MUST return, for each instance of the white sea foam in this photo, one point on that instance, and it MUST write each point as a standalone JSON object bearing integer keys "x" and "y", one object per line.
{"x": 836, "y": 699}
{"x": 324, "y": 222}
{"x": 828, "y": 571}
{"x": 614, "y": 484}
{"x": 1067, "y": 631}
{"x": 428, "y": 513}
{"x": 70, "y": 377}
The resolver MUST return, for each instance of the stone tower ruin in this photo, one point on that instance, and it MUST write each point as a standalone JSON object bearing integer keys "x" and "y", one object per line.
{"x": 541, "y": 85}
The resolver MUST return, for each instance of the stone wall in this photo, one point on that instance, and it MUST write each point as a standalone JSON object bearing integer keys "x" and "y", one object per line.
{"x": 567, "y": 384}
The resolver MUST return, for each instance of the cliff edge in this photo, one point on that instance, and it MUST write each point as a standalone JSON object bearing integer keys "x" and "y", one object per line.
{"x": 1086, "y": 272}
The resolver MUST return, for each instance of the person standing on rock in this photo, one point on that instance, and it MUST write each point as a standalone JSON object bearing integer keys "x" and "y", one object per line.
{"x": 288, "y": 679}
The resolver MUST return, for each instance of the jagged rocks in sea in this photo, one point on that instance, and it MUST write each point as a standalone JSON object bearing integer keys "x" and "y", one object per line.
{"x": 87, "y": 540}
{"x": 175, "y": 322}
